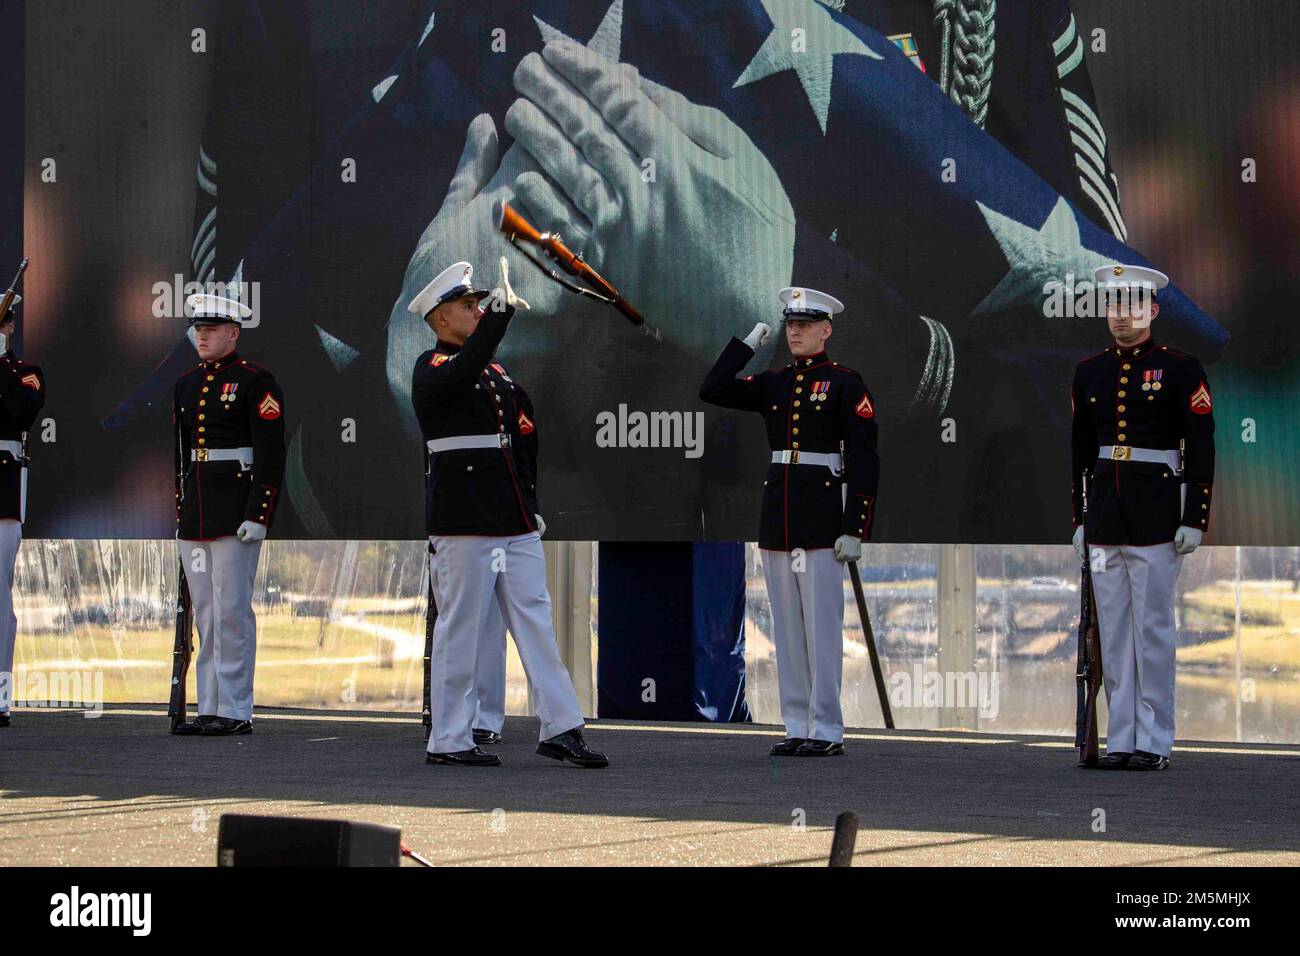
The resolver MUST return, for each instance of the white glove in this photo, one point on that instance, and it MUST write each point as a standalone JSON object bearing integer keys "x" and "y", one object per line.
{"x": 1187, "y": 540}
{"x": 1079, "y": 548}
{"x": 710, "y": 201}
{"x": 541, "y": 526}
{"x": 251, "y": 531}
{"x": 503, "y": 292}
{"x": 758, "y": 336}
{"x": 848, "y": 548}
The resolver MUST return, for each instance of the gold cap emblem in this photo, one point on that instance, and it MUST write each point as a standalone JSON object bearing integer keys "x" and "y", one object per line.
{"x": 1119, "y": 270}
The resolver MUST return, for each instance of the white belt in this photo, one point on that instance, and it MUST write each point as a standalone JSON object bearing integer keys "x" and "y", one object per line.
{"x": 461, "y": 442}
{"x": 242, "y": 455}
{"x": 14, "y": 448}
{"x": 793, "y": 456}
{"x": 1156, "y": 456}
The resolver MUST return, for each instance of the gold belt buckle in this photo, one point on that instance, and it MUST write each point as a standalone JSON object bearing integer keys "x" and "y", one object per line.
{"x": 200, "y": 454}
{"x": 1122, "y": 453}
{"x": 794, "y": 456}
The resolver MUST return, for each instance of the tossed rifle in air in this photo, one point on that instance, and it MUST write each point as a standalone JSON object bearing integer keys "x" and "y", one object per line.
{"x": 519, "y": 230}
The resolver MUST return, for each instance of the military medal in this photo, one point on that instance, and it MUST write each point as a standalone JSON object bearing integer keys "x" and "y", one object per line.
{"x": 1151, "y": 379}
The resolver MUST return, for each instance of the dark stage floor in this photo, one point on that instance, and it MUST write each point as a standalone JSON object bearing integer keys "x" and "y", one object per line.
{"x": 118, "y": 790}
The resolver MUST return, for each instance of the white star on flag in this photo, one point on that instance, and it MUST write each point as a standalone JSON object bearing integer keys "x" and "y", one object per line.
{"x": 1036, "y": 256}
{"x": 823, "y": 40}
{"x": 607, "y": 40}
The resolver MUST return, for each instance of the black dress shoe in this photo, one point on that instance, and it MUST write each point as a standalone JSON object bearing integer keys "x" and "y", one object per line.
{"x": 571, "y": 747}
{"x": 486, "y": 737}
{"x": 787, "y": 747}
{"x": 4, "y": 720}
{"x": 819, "y": 748}
{"x": 1145, "y": 760}
{"x": 226, "y": 727}
{"x": 193, "y": 728}
{"x": 465, "y": 758}
{"x": 1114, "y": 761}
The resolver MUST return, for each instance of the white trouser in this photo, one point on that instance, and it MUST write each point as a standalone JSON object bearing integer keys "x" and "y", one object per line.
{"x": 488, "y": 696}
{"x": 1135, "y": 611}
{"x": 11, "y": 536}
{"x": 806, "y": 590}
{"x": 220, "y": 575}
{"x": 475, "y": 573}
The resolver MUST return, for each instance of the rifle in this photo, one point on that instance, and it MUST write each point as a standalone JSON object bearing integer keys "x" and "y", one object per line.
{"x": 12, "y": 292}
{"x": 183, "y": 642}
{"x": 516, "y": 228}
{"x": 430, "y": 622}
{"x": 1088, "y": 667}
{"x": 182, "y": 647}
{"x": 870, "y": 637}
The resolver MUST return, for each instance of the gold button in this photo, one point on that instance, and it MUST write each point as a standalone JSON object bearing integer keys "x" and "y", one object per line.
{"x": 796, "y": 431}
{"x": 795, "y": 445}
{"x": 1151, "y": 398}
{"x": 796, "y": 416}
{"x": 1123, "y": 424}
{"x": 1205, "y": 490}
{"x": 799, "y": 391}
{"x": 1121, "y": 408}
{"x": 773, "y": 408}
{"x": 1127, "y": 366}
{"x": 1123, "y": 379}
{"x": 1091, "y": 399}
{"x": 828, "y": 484}
{"x": 796, "y": 403}
{"x": 205, "y": 390}
{"x": 202, "y": 440}
{"x": 1205, "y": 507}
{"x": 1122, "y": 393}
{"x": 264, "y": 504}
{"x": 799, "y": 377}
{"x": 201, "y": 428}
{"x": 1121, "y": 437}
{"x": 200, "y": 418}
{"x": 211, "y": 377}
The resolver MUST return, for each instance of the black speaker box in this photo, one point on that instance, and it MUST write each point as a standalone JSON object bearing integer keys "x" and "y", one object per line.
{"x": 244, "y": 840}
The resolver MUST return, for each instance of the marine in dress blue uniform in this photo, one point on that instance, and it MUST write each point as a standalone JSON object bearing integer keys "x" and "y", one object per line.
{"x": 1143, "y": 435}
{"x": 483, "y": 522}
{"x": 22, "y": 393}
{"x": 819, "y": 502}
{"x": 228, "y": 420}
